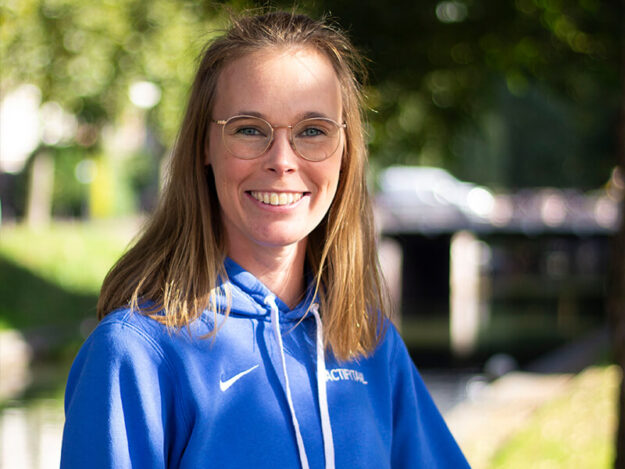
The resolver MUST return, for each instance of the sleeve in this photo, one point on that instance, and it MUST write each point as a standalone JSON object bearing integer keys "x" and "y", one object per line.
{"x": 119, "y": 403}
{"x": 420, "y": 436}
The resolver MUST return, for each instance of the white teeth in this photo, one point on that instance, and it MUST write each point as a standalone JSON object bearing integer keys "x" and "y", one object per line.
{"x": 277, "y": 198}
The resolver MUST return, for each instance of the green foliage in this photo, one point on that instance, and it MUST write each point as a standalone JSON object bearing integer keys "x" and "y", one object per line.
{"x": 512, "y": 94}
{"x": 85, "y": 55}
{"x": 69, "y": 194}
{"x": 53, "y": 276}
{"x": 74, "y": 256}
{"x": 509, "y": 94}
{"x": 30, "y": 301}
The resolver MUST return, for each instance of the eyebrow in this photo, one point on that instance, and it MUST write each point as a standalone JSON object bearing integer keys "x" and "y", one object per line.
{"x": 300, "y": 117}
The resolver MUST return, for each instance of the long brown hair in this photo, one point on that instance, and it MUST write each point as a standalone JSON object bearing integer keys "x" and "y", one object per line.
{"x": 177, "y": 260}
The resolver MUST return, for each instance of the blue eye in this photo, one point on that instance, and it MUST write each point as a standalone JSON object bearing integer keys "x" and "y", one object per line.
{"x": 249, "y": 132}
{"x": 312, "y": 132}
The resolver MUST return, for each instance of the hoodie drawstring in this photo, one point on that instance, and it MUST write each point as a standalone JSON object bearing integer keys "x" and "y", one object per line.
{"x": 326, "y": 429}
{"x": 275, "y": 322}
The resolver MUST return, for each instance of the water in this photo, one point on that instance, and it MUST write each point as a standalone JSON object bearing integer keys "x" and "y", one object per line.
{"x": 30, "y": 434}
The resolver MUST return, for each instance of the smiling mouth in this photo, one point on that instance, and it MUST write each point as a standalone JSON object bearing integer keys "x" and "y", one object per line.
{"x": 277, "y": 198}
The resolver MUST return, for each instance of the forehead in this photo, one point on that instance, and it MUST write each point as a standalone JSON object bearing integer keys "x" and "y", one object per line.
{"x": 279, "y": 83}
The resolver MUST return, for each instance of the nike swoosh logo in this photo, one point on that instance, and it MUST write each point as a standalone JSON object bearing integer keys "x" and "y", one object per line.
{"x": 224, "y": 385}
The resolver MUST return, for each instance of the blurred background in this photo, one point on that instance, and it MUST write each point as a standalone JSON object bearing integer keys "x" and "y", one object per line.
{"x": 494, "y": 140}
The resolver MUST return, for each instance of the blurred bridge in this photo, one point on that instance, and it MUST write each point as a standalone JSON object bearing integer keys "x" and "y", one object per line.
{"x": 476, "y": 273}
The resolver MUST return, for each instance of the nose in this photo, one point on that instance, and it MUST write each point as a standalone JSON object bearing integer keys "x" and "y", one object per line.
{"x": 281, "y": 157}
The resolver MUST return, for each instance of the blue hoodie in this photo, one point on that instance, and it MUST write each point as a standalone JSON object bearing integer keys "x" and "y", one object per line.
{"x": 142, "y": 396}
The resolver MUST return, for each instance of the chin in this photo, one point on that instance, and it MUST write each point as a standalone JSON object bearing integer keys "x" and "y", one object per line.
{"x": 281, "y": 240}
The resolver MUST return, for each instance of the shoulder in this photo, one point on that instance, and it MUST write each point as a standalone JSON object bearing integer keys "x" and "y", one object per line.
{"x": 125, "y": 349}
{"x": 131, "y": 321}
{"x": 130, "y": 340}
{"x": 122, "y": 378}
{"x": 126, "y": 338}
{"x": 390, "y": 359}
{"x": 401, "y": 367}
{"x": 420, "y": 436}
{"x": 391, "y": 342}
{"x": 124, "y": 327}
{"x": 125, "y": 324}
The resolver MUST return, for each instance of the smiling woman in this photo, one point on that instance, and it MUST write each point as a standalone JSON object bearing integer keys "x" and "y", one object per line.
{"x": 281, "y": 85}
{"x": 247, "y": 326}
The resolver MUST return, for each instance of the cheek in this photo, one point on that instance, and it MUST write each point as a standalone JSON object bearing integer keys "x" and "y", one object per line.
{"x": 223, "y": 181}
{"x": 229, "y": 173}
{"x": 334, "y": 176}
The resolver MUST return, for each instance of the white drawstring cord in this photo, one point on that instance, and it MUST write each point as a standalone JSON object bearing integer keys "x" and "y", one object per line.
{"x": 275, "y": 321}
{"x": 326, "y": 427}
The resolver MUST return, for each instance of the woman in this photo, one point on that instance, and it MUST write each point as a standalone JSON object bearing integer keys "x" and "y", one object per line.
{"x": 246, "y": 327}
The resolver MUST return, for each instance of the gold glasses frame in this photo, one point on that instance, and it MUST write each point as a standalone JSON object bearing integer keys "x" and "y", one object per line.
{"x": 224, "y": 123}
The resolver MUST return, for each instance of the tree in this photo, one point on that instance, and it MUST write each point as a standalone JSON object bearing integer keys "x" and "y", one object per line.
{"x": 85, "y": 56}
{"x": 508, "y": 94}
{"x": 616, "y": 300}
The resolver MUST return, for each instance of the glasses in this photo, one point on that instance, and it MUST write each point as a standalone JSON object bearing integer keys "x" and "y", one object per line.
{"x": 248, "y": 137}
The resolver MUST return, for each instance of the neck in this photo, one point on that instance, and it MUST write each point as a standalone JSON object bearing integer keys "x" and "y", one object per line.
{"x": 281, "y": 269}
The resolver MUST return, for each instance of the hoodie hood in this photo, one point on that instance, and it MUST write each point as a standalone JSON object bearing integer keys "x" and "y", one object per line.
{"x": 248, "y": 296}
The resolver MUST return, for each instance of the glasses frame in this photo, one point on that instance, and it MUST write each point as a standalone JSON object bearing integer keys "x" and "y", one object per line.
{"x": 224, "y": 122}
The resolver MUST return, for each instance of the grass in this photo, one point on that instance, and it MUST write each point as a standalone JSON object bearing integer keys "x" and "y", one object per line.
{"x": 74, "y": 256}
{"x": 52, "y": 276}
{"x": 49, "y": 284}
{"x": 576, "y": 430}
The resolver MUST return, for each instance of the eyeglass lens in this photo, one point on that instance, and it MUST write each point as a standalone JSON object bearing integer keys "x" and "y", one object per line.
{"x": 313, "y": 139}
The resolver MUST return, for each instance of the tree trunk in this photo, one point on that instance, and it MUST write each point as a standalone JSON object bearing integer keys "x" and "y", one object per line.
{"x": 616, "y": 293}
{"x": 617, "y": 311}
{"x": 39, "y": 209}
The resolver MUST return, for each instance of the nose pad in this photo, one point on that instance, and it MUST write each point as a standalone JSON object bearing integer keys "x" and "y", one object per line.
{"x": 281, "y": 154}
